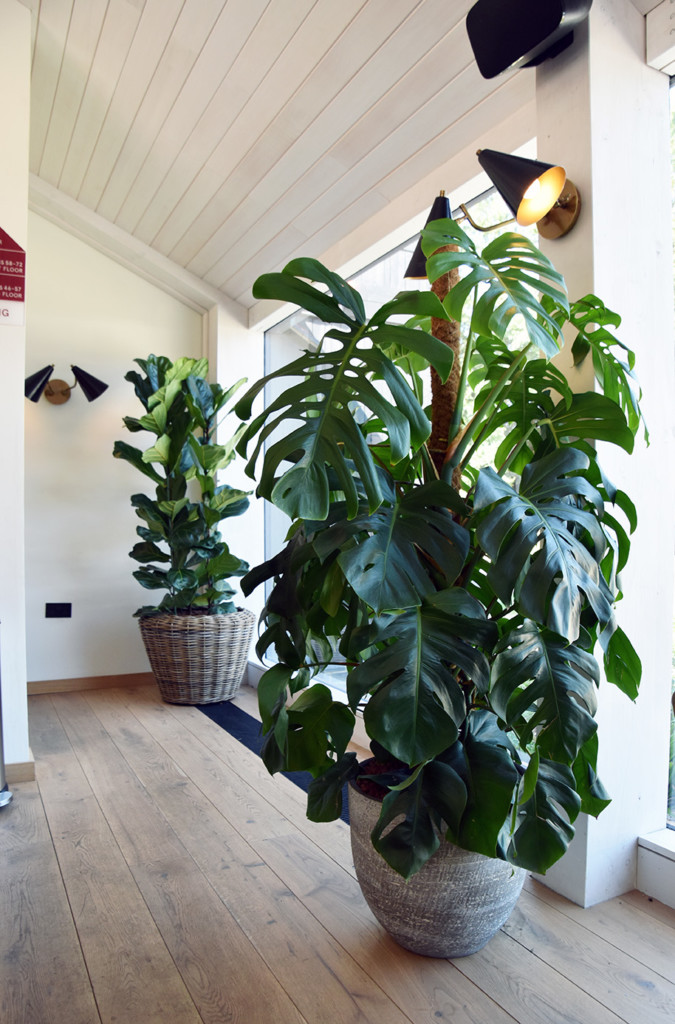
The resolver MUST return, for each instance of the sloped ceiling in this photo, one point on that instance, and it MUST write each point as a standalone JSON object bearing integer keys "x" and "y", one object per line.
{"x": 230, "y": 135}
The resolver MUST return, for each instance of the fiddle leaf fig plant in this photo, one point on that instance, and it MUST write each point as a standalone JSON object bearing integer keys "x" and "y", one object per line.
{"x": 180, "y": 549}
{"x": 465, "y": 585}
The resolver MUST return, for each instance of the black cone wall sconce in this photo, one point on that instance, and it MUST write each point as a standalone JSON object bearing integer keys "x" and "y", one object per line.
{"x": 440, "y": 210}
{"x": 535, "y": 192}
{"x": 58, "y": 391}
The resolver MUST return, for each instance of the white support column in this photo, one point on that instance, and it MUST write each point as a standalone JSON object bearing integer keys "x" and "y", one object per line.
{"x": 15, "y": 90}
{"x": 236, "y": 351}
{"x": 604, "y": 114}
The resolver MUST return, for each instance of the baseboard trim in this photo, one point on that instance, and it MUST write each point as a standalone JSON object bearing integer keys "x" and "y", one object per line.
{"x": 20, "y": 771}
{"x": 88, "y": 683}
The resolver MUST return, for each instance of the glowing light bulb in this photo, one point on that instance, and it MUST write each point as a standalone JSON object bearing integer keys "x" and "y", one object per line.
{"x": 534, "y": 190}
{"x": 540, "y": 196}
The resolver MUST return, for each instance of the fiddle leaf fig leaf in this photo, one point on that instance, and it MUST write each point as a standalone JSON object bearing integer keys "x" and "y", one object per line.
{"x": 173, "y": 508}
{"x": 149, "y": 552}
{"x": 155, "y": 420}
{"x": 151, "y": 579}
{"x": 122, "y": 450}
{"x": 182, "y": 579}
{"x": 160, "y": 451}
{"x": 199, "y": 397}
{"x": 224, "y": 565}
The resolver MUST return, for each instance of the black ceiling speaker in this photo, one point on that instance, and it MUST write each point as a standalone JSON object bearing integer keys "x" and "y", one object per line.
{"x": 521, "y": 33}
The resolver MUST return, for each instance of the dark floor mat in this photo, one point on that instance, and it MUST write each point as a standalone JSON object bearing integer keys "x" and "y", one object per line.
{"x": 246, "y": 729}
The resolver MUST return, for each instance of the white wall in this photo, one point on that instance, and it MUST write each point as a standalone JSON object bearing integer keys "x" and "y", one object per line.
{"x": 236, "y": 352}
{"x": 604, "y": 114}
{"x": 14, "y": 83}
{"x": 86, "y": 309}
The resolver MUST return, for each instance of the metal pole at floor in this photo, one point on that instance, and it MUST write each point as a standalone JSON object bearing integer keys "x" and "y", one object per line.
{"x": 5, "y": 794}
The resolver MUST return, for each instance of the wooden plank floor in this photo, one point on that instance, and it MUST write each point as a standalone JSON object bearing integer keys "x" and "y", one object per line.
{"x": 155, "y": 872}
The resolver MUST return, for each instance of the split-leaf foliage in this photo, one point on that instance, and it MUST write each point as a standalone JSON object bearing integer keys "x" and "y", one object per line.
{"x": 467, "y": 617}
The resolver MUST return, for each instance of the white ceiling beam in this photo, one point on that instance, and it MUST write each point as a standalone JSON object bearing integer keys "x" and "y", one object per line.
{"x": 128, "y": 251}
{"x": 660, "y": 43}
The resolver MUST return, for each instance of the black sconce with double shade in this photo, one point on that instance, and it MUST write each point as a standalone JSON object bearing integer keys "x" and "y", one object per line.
{"x": 58, "y": 391}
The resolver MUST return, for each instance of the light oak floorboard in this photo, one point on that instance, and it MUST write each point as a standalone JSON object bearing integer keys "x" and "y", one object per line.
{"x": 595, "y": 966}
{"x": 283, "y": 931}
{"x": 640, "y": 935}
{"x": 648, "y": 905}
{"x": 130, "y": 967}
{"x": 214, "y": 958}
{"x": 530, "y": 989}
{"x": 428, "y": 990}
{"x": 288, "y": 799}
{"x": 43, "y": 978}
{"x": 156, "y": 871}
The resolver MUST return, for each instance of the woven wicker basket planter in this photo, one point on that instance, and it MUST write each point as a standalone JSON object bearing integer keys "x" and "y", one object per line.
{"x": 450, "y": 908}
{"x": 198, "y": 659}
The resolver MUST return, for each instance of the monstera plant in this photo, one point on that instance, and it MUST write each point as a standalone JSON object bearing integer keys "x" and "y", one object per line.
{"x": 461, "y": 557}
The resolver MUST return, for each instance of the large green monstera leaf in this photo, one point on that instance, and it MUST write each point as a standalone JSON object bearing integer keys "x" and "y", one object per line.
{"x": 389, "y": 564}
{"x": 545, "y": 542}
{"x": 509, "y": 276}
{"x": 542, "y": 685}
{"x": 316, "y": 410}
{"x": 418, "y": 702}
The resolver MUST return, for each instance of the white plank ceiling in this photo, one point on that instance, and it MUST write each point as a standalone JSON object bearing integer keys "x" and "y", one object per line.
{"x": 231, "y": 135}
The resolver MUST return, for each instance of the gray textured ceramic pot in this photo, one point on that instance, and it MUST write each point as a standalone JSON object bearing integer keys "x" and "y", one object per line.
{"x": 450, "y": 908}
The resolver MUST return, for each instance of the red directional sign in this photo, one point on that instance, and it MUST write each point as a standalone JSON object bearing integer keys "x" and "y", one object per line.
{"x": 12, "y": 280}
{"x": 12, "y": 269}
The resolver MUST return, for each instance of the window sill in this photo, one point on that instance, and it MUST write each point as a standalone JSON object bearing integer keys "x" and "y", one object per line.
{"x": 656, "y": 865}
